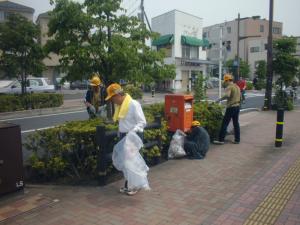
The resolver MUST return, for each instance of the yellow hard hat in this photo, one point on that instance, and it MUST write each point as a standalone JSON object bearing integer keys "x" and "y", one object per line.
{"x": 228, "y": 77}
{"x": 112, "y": 90}
{"x": 95, "y": 81}
{"x": 196, "y": 123}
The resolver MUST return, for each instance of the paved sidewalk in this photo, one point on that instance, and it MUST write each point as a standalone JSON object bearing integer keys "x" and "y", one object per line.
{"x": 249, "y": 183}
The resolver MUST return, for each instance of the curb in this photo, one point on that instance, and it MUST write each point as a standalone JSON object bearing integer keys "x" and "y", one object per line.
{"x": 242, "y": 111}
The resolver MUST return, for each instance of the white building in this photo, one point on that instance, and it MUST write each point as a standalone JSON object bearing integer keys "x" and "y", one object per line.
{"x": 181, "y": 37}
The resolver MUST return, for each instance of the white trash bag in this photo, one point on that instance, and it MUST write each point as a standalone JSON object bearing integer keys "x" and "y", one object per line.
{"x": 176, "y": 146}
{"x": 127, "y": 158}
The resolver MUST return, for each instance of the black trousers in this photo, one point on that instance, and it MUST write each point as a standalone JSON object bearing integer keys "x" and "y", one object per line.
{"x": 231, "y": 113}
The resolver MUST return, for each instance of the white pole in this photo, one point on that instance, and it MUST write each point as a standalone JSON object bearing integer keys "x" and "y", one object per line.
{"x": 220, "y": 63}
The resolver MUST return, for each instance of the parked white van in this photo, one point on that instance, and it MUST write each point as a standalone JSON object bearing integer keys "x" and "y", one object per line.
{"x": 35, "y": 85}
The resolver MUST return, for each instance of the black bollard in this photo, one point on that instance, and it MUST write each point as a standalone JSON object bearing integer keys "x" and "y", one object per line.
{"x": 279, "y": 128}
{"x": 153, "y": 92}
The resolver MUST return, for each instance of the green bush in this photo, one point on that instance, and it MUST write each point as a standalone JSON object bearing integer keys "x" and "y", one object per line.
{"x": 210, "y": 115}
{"x": 281, "y": 100}
{"x": 29, "y": 101}
{"x": 135, "y": 92}
{"x": 249, "y": 85}
{"x": 260, "y": 84}
{"x": 68, "y": 151}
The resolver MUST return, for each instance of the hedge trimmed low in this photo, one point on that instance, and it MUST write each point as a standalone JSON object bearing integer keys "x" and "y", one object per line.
{"x": 10, "y": 103}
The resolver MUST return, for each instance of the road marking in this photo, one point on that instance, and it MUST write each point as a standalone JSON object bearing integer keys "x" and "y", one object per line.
{"x": 33, "y": 130}
{"x": 30, "y": 117}
{"x": 273, "y": 204}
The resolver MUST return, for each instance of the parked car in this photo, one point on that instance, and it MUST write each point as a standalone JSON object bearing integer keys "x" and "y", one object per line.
{"x": 61, "y": 85}
{"x": 35, "y": 85}
{"x": 78, "y": 84}
{"x": 212, "y": 82}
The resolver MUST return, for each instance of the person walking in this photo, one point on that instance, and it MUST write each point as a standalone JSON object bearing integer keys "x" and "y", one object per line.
{"x": 130, "y": 116}
{"x": 242, "y": 85}
{"x": 233, "y": 96}
{"x": 197, "y": 141}
{"x": 94, "y": 97}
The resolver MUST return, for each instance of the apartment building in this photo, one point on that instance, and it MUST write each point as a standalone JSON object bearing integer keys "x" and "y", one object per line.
{"x": 181, "y": 38}
{"x": 253, "y": 36}
{"x": 8, "y": 7}
{"x": 52, "y": 61}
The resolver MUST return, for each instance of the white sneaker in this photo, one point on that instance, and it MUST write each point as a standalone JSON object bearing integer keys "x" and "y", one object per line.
{"x": 219, "y": 142}
{"x": 131, "y": 192}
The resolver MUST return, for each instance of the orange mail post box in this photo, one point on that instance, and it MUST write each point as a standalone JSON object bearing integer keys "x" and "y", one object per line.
{"x": 179, "y": 112}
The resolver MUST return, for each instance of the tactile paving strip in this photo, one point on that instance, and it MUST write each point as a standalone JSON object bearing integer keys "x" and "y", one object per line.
{"x": 270, "y": 208}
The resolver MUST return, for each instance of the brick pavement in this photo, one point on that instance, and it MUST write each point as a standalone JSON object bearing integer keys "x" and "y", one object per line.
{"x": 224, "y": 188}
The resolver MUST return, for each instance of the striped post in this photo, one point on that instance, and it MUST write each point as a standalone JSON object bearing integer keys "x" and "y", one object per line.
{"x": 279, "y": 128}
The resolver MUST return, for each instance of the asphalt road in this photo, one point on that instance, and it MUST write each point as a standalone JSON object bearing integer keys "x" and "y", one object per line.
{"x": 31, "y": 123}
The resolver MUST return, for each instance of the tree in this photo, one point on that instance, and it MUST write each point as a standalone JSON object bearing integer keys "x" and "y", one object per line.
{"x": 200, "y": 88}
{"x": 244, "y": 67}
{"x": 95, "y": 37}
{"x": 21, "y": 55}
{"x": 285, "y": 64}
{"x": 261, "y": 70}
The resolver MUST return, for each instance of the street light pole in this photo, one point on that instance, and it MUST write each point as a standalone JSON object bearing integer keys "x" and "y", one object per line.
{"x": 268, "y": 93}
{"x": 142, "y": 11}
{"x": 220, "y": 61}
{"x": 238, "y": 50}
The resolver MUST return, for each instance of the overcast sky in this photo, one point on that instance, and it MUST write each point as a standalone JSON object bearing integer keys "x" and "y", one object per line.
{"x": 212, "y": 11}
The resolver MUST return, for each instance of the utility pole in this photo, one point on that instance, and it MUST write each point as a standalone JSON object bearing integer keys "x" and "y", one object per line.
{"x": 220, "y": 61}
{"x": 237, "y": 76}
{"x": 142, "y": 11}
{"x": 268, "y": 94}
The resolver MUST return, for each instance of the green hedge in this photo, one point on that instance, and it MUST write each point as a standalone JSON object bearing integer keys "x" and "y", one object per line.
{"x": 210, "y": 116}
{"x": 10, "y": 103}
{"x": 68, "y": 153}
{"x": 249, "y": 85}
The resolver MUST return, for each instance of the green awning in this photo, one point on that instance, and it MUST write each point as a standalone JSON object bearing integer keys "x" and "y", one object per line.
{"x": 187, "y": 40}
{"x": 164, "y": 40}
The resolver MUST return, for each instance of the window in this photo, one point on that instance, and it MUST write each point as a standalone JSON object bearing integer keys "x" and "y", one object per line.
{"x": 204, "y": 35}
{"x": 185, "y": 51}
{"x": 6, "y": 15}
{"x": 266, "y": 46}
{"x": 261, "y": 28}
{"x": 190, "y": 52}
{"x": 35, "y": 82}
{"x": 228, "y": 30}
{"x": 1, "y": 15}
{"x": 276, "y": 30}
{"x": 194, "y": 50}
{"x": 228, "y": 45}
{"x": 254, "y": 49}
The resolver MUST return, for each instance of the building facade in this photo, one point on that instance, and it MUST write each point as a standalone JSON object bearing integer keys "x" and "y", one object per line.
{"x": 52, "y": 61}
{"x": 181, "y": 38}
{"x": 7, "y": 7}
{"x": 253, "y": 36}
